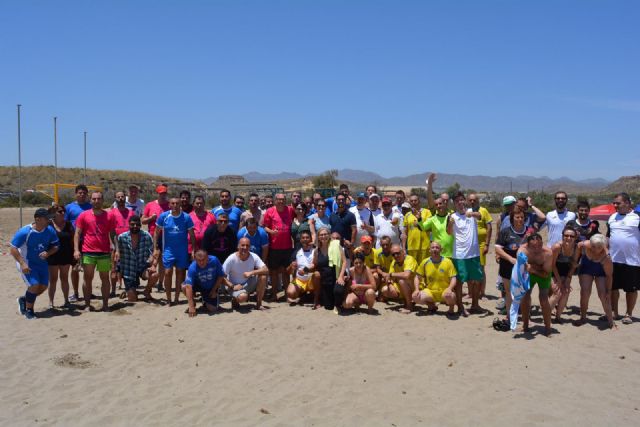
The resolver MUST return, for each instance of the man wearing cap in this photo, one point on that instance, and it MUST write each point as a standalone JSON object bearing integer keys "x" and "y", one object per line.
{"x": 558, "y": 218}
{"x": 152, "y": 211}
{"x": 417, "y": 240}
{"x": 364, "y": 219}
{"x": 389, "y": 223}
{"x": 374, "y": 205}
{"x": 96, "y": 229}
{"x": 176, "y": 228}
{"x": 232, "y": 212}
{"x": 30, "y": 247}
{"x": 366, "y": 248}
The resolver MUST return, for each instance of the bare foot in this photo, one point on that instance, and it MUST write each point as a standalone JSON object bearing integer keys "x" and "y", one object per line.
{"x": 316, "y": 306}
{"x": 405, "y": 310}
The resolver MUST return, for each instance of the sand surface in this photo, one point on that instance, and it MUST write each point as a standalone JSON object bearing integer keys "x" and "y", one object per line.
{"x": 147, "y": 364}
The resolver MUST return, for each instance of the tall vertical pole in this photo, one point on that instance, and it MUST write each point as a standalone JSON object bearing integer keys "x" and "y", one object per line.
{"x": 55, "y": 159}
{"x": 85, "y": 158}
{"x": 19, "y": 167}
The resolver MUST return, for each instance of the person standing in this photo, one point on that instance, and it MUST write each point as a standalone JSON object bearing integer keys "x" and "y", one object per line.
{"x": 277, "y": 222}
{"x": 418, "y": 241}
{"x": 226, "y": 207}
{"x": 31, "y": 246}
{"x": 485, "y": 229}
{"x": 120, "y": 215}
{"x": 253, "y": 211}
{"x": 61, "y": 261}
{"x": 623, "y": 230}
{"x": 558, "y": 218}
{"x": 72, "y": 212}
{"x": 202, "y": 219}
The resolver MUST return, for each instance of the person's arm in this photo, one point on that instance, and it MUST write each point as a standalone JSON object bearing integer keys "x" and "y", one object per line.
{"x": 194, "y": 248}
{"x": 188, "y": 291}
{"x": 476, "y": 215}
{"x": 452, "y": 284}
{"x": 607, "y": 266}
{"x": 430, "y": 180}
{"x": 156, "y": 236}
{"x": 312, "y": 228}
{"x": 20, "y": 260}
{"x": 503, "y": 254}
{"x": 76, "y": 242}
{"x": 370, "y": 279}
{"x": 487, "y": 241}
{"x": 498, "y": 226}
{"x": 539, "y": 214}
{"x": 343, "y": 268}
{"x": 146, "y": 218}
{"x": 450, "y": 224}
{"x": 401, "y": 276}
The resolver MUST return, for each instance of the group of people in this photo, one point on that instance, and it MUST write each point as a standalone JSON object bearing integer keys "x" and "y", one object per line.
{"x": 341, "y": 253}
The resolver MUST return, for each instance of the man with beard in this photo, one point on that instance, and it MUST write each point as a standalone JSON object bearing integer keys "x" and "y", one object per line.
{"x": 134, "y": 253}
{"x": 232, "y": 212}
{"x": 219, "y": 239}
{"x": 253, "y": 211}
{"x": 72, "y": 212}
{"x": 121, "y": 216}
{"x": 558, "y": 218}
{"x": 582, "y": 224}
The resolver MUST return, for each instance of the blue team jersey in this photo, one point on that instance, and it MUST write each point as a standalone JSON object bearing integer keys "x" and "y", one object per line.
{"x": 233, "y": 213}
{"x": 175, "y": 231}
{"x": 258, "y": 240}
{"x": 206, "y": 277}
{"x": 30, "y": 243}
{"x": 73, "y": 210}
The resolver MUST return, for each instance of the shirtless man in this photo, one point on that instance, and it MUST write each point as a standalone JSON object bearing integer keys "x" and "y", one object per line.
{"x": 539, "y": 266}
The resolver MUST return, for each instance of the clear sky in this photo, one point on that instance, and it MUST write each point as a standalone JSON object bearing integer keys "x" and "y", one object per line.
{"x": 202, "y": 88}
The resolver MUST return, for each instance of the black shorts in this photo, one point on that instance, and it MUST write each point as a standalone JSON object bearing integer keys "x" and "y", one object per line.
{"x": 278, "y": 258}
{"x": 626, "y": 277}
{"x": 505, "y": 268}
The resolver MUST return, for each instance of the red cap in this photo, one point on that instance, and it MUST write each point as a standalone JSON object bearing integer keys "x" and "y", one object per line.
{"x": 161, "y": 189}
{"x": 386, "y": 200}
{"x": 365, "y": 239}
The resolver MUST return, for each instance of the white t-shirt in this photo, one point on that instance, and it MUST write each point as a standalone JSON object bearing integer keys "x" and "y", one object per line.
{"x": 235, "y": 268}
{"x": 384, "y": 227}
{"x": 137, "y": 207}
{"x": 624, "y": 240}
{"x": 363, "y": 216}
{"x": 304, "y": 259}
{"x": 556, "y": 222}
{"x": 465, "y": 237}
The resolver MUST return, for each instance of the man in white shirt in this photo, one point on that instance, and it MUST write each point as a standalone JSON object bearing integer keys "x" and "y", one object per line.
{"x": 364, "y": 218}
{"x": 246, "y": 274}
{"x": 623, "y": 230}
{"x": 390, "y": 224}
{"x": 558, "y": 218}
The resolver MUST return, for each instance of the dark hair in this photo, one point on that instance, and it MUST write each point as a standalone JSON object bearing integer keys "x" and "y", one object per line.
{"x": 560, "y": 192}
{"x": 534, "y": 236}
{"x": 303, "y": 206}
{"x": 238, "y": 196}
{"x": 400, "y": 192}
{"x": 223, "y": 215}
{"x": 198, "y": 197}
{"x": 81, "y": 187}
{"x": 343, "y": 187}
{"x": 583, "y": 204}
{"x": 224, "y": 190}
{"x": 458, "y": 195}
{"x": 251, "y": 221}
{"x": 516, "y": 210}
{"x": 625, "y": 197}
{"x": 359, "y": 255}
{"x": 254, "y": 195}
{"x": 187, "y": 192}
{"x": 570, "y": 227}
{"x": 135, "y": 218}
{"x": 305, "y": 232}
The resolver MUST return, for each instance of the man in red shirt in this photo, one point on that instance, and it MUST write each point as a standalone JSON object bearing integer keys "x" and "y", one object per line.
{"x": 97, "y": 229}
{"x": 152, "y": 211}
{"x": 277, "y": 223}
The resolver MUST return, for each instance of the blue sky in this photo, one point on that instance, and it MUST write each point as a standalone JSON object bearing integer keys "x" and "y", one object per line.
{"x": 202, "y": 88}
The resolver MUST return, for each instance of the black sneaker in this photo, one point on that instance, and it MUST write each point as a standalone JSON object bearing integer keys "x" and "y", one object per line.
{"x": 29, "y": 314}
{"x": 22, "y": 305}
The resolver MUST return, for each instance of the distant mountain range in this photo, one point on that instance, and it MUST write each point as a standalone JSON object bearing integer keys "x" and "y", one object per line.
{"x": 519, "y": 183}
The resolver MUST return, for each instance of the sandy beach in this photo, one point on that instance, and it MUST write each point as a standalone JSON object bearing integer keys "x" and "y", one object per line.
{"x": 148, "y": 364}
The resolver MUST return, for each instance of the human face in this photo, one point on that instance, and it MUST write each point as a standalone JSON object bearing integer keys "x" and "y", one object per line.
{"x": 243, "y": 247}
{"x": 361, "y": 201}
{"x": 225, "y": 199}
{"x": 253, "y": 203}
{"x": 185, "y": 200}
{"x": 300, "y": 211}
{"x": 320, "y": 208}
{"x": 268, "y": 202}
{"x": 358, "y": 264}
{"x": 239, "y": 203}
{"x": 445, "y": 199}
{"x": 366, "y": 247}
{"x": 174, "y": 205}
{"x": 97, "y": 200}
{"x": 386, "y": 207}
{"x": 120, "y": 199}
{"x": 622, "y": 207}
{"x": 473, "y": 201}
{"x": 535, "y": 244}
{"x": 374, "y": 204}
{"x": 323, "y": 236}
{"x": 222, "y": 224}
{"x": 397, "y": 254}
{"x": 133, "y": 193}
{"x": 81, "y": 196}
{"x": 252, "y": 228}
{"x": 59, "y": 215}
{"x": 569, "y": 237}
{"x": 461, "y": 204}
{"x": 386, "y": 246}
{"x": 134, "y": 227}
{"x": 198, "y": 205}
{"x": 522, "y": 205}
{"x": 583, "y": 213}
{"x": 162, "y": 197}
{"x": 370, "y": 190}
{"x": 316, "y": 198}
{"x": 280, "y": 201}
{"x": 399, "y": 199}
{"x": 518, "y": 220}
{"x": 308, "y": 202}
{"x": 305, "y": 240}
{"x": 296, "y": 198}
{"x": 202, "y": 259}
{"x": 414, "y": 201}
{"x": 340, "y": 202}
{"x": 441, "y": 207}
{"x": 561, "y": 201}
{"x": 435, "y": 250}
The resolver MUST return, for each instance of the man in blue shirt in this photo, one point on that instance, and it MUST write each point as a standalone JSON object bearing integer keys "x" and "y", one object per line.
{"x": 226, "y": 207}
{"x": 175, "y": 227}
{"x": 72, "y": 212}
{"x": 205, "y": 275}
{"x": 30, "y": 247}
{"x": 258, "y": 238}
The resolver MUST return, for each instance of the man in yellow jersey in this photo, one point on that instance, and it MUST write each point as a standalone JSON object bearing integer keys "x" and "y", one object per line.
{"x": 435, "y": 281}
{"x": 383, "y": 260}
{"x": 417, "y": 239}
{"x": 366, "y": 248}
{"x": 485, "y": 228}
{"x": 399, "y": 283}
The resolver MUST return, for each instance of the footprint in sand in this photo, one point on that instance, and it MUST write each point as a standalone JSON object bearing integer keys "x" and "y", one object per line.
{"x": 72, "y": 360}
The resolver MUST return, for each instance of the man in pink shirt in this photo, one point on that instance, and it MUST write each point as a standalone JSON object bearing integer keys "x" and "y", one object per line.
{"x": 97, "y": 229}
{"x": 152, "y": 211}
{"x": 277, "y": 223}
{"x": 120, "y": 214}
{"x": 201, "y": 220}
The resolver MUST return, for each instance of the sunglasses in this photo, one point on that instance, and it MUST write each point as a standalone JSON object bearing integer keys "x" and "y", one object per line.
{"x": 223, "y": 221}
{"x": 395, "y": 253}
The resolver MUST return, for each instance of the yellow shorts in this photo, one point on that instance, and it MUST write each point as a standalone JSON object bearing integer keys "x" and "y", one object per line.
{"x": 305, "y": 285}
{"x": 434, "y": 294}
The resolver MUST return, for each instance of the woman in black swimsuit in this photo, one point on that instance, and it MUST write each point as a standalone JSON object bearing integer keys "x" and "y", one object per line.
{"x": 565, "y": 262}
{"x": 60, "y": 262}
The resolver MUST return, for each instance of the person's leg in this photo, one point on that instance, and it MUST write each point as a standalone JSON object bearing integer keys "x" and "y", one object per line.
{"x": 586, "y": 283}
{"x": 87, "y": 286}
{"x": 615, "y": 295}
{"x": 604, "y": 293}
{"x": 420, "y": 299}
{"x": 546, "y": 309}
{"x": 292, "y": 293}
{"x": 64, "y": 281}
{"x": 450, "y": 300}
{"x": 53, "y": 280}
{"x": 315, "y": 282}
{"x": 389, "y": 292}
{"x": 30, "y": 296}
{"x": 106, "y": 289}
{"x": 168, "y": 275}
{"x": 181, "y": 274}
{"x": 556, "y": 292}
{"x": 565, "y": 290}
{"x": 631, "y": 297}
{"x": 474, "y": 290}
{"x": 458, "y": 290}
{"x": 507, "y": 295}
{"x": 262, "y": 286}
{"x": 75, "y": 280}
{"x": 113, "y": 276}
{"x": 406, "y": 290}
{"x": 525, "y": 307}
{"x": 339, "y": 292}
{"x": 370, "y": 298}
{"x": 351, "y": 301}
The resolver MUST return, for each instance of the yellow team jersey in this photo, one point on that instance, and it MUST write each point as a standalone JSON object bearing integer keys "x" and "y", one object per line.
{"x": 369, "y": 260}
{"x": 416, "y": 238}
{"x": 485, "y": 218}
{"x": 436, "y": 277}
{"x": 408, "y": 264}
{"x": 384, "y": 261}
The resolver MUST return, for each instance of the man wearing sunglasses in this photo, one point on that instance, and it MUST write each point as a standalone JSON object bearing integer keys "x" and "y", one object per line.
{"x": 558, "y": 218}
{"x": 399, "y": 281}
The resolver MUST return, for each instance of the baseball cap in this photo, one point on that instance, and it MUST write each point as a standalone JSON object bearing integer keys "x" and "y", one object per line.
{"x": 386, "y": 200}
{"x": 41, "y": 213}
{"x": 365, "y": 239}
{"x": 161, "y": 189}
{"x": 508, "y": 200}
{"x": 406, "y": 205}
{"x": 374, "y": 195}
{"x": 361, "y": 195}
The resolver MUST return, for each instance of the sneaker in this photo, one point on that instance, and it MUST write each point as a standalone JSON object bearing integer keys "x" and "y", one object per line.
{"x": 501, "y": 304}
{"x": 22, "y": 305}
{"x": 29, "y": 314}
{"x": 73, "y": 298}
{"x": 160, "y": 288}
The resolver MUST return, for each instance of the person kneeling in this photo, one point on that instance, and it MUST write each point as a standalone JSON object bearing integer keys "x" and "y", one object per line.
{"x": 305, "y": 279}
{"x": 246, "y": 274}
{"x": 436, "y": 281}
{"x": 363, "y": 285}
{"x": 204, "y": 275}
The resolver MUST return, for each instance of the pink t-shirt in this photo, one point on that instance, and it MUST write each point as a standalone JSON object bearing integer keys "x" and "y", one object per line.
{"x": 280, "y": 221}
{"x": 200, "y": 226}
{"x": 154, "y": 208}
{"x": 95, "y": 231}
{"x": 121, "y": 219}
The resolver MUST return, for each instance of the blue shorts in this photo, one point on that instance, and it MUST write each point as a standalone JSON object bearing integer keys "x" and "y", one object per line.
{"x": 205, "y": 295}
{"x": 171, "y": 259}
{"x": 38, "y": 276}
